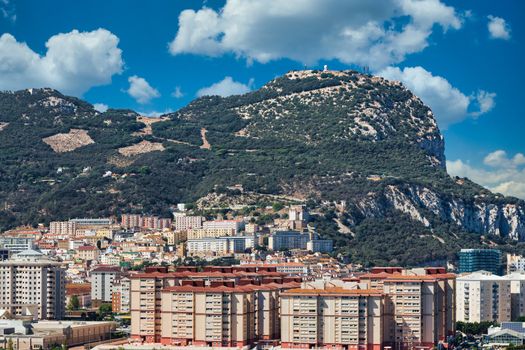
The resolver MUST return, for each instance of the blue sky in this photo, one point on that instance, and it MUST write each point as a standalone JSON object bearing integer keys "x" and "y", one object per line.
{"x": 463, "y": 58}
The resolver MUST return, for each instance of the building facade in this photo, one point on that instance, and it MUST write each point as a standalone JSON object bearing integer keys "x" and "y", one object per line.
{"x": 33, "y": 284}
{"x": 332, "y": 317}
{"x": 102, "y": 283}
{"x": 482, "y": 296}
{"x": 472, "y": 260}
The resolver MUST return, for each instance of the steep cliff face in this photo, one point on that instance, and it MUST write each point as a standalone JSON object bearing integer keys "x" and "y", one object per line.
{"x": 426, "y": 206}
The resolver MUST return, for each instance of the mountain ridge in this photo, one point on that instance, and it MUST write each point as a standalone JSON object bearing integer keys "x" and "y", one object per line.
{"x": 323, "y": 138}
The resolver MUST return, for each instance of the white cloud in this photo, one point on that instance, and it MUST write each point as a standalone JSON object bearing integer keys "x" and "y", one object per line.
{"x": 141, "y": 90}
{"x": 156, "y": 114}
{"x": 448, "y": 103}
{"x": 498, "y": 159}
{"x": 100, "y": 107}
{"x": 73, "y": 63}
{"x": 177, "y": 93}
{"x": 500, "y": 174}
{"x": 372, "y": 33}
{"x": 226, "y": 87}
{"x": 498, "y": 28}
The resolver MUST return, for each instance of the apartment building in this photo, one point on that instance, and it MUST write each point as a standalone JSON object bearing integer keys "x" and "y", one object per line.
{"x": 482, "y": 296}
{"x": 103, "y": 278}
{"x": 175, "y": 237}
{"x": 235, "y": 225}
{"x": 332, "y": 315}
{"x": 198, "y": 233}
{"x": 419, "y": 305}
{"x": 289, "y": 268}
{"x": 155, "y": 293}
{"x": 184, "y": 222}
{"x": 282, "y": 240}
{"x": 120, "y": 300}
{"x": 517, "y": 294}
{"x": 87, "y": 252}
{"x": 220, "y": 316}
{"x": 33, "y": 284}
{"x": 130, "y": 220}
{"x": 62, "y": 228}
{"x": 219, "y": 246}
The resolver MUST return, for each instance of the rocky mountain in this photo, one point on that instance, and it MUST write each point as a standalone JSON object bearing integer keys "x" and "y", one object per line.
{"x": 364, "y": 153}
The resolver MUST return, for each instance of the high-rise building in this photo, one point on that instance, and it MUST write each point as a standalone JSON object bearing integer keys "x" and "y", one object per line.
{"x": 472, "y": 260}
{"x": 482, "y": 296}
{"x": 33, "y": 284}
{"x": 517, "y": 294}
{"x": 187, "y": 307}
{"x": 103, "y": 278}
{"x": 120, "y": 301}
{"x": 209, "y": 316}
{"x": 419, "y": 305}
{"x": 324, "y": 315}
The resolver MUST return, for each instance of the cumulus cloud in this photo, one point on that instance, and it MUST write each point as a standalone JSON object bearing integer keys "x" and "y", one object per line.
{"x": 226, "y": 87}
{"x": 141, "y": 90}
{"x": 371, "y": 33}
{"x": 100, "y": 107}
{"x": 73, "y": 63}
{"x": 177, "y": 93}
{"x": 448, "y": 103}
{"x": 499, "y": 172}
{"x": 498, "y": 28}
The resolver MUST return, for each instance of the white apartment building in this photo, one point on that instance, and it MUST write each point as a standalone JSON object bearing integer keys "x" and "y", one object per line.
{"x": 482, "y": 296}
{"x": 102, "y": 282}
{"x": 219, "y": 246}
{"x": 236, "y": 225}
{"x": 33, "y": 284}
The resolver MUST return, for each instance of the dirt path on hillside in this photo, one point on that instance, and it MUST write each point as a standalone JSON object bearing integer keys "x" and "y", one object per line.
{"x": 205, "y": 143}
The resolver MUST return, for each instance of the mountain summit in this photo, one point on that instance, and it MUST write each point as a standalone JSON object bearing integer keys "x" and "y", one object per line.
{"x": 363, "y": 152}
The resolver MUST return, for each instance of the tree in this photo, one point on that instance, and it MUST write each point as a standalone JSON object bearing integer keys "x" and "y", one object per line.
{"x": 10, "y": 344}
{"x": 105, "y": 309}
{"x": 74, "y": 303}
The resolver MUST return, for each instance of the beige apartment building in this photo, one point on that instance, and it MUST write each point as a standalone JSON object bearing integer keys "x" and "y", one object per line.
{"x": 335, "y": 316}
{"x": 482, "y": 296}
{"x": 418, "y": 305}
{"x": 62, "y": 228}
{"x": 203, "y": 308}
{"x": 33, "y": 284}
{"x": 198, "y": 233}
{"x": 208, "y": 316}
